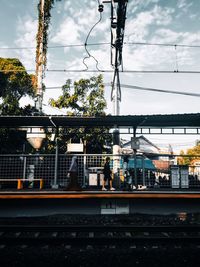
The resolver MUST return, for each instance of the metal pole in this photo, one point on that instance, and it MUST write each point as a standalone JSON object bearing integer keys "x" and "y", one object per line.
{"x": 143, "y": 171}
{"x": 84, "y": 167}
{"x": 24, "y": 161}
{"x": 135, "y": 168}
{"x": 55, "y": 183}
{"x": 135, "y": 161}
{"x": 24, "y": 169}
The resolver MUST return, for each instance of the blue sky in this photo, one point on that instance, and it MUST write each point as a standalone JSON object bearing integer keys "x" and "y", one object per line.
{"x": 148, "y": 21}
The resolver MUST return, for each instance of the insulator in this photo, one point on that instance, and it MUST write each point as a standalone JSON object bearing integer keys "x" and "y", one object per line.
{"x": 113, "y": 25}
{"x": 100, "y": 9}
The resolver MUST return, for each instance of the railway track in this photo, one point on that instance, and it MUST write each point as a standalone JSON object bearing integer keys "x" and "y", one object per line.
{"x": 99, "y": 234}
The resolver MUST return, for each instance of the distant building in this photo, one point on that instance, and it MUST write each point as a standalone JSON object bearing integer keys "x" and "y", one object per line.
{"x": 162, "y": 163}
{"x": 146, "y": 146}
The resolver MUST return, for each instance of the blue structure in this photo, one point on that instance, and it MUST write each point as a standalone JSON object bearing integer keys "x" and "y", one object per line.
{"x": 140, "y": 163}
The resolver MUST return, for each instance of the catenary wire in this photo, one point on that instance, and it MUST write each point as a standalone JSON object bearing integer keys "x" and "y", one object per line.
{"x": 55, "y": 46}
{"x": 159, "y": 90}
{"x": 143, "y": 89}
{"x": 111, "y": 71}
{"x": 102, "y": 43}
{"x": 162, "y": 44}
{"x": 85, "y": 45}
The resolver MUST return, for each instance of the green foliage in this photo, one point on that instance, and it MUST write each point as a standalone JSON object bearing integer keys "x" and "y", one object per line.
{"x": 85, "y": 98}
{"x": 192, "y": 152}
{"x": 11, "y": 141}
{"x": 15, "y": 83}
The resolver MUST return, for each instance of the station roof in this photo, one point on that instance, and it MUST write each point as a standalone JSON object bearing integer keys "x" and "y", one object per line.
{"x": 135, "y": 121}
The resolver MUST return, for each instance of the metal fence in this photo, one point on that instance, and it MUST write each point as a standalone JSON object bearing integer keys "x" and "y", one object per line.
{"x": 129, "y": 172}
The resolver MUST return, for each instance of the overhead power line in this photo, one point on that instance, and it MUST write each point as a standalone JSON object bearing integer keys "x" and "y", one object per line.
{"x": 111, "y": 71}
{"x": 55, "y": 46}
{"x": 102, "y": 43}
{"x": 143, "y": 89}
{"x": 162, "y": 44}
{"x": 89, "y": 55}
{"x": 160, "y": 90}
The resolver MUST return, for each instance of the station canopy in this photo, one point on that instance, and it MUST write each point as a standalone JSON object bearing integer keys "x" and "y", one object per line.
{"x": 134, "y": 121}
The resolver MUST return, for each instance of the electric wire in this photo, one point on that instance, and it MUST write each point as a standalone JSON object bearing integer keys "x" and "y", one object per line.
{"x": 160, "y": 90}
{"x": 85, "y": 45}
{"x": 141, "y": 88}
{"x": 162, "y": 44}
{"x": 103, "y": 43}
{"x": 110, "y": 71}
{"x": 55, "y": 46}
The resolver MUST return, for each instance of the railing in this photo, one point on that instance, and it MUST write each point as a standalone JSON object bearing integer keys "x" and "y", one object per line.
{"x": 132, "y": 173}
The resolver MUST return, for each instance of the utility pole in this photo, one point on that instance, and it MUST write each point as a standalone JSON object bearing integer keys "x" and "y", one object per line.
{"x": 116, "y": 93}
{"x": 118, "y": 17}
{"x": 40, "y": 59}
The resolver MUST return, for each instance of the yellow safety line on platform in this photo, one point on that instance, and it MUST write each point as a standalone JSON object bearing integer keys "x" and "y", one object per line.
{"x": 78, "y": 195}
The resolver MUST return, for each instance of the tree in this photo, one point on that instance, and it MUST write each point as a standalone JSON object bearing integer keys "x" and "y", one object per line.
{"x": 192, "y": 153}
{"x": 86, "y": 98}
{"x": 15, "y": 83}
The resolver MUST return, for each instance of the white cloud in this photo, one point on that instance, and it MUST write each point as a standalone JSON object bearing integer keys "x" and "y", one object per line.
{"x": 5, "y": 53}
{"x": 26, "y": 32}
{"x": 141, "y": 3}
{"x": 68, "y": 33}
{"x": 161, "y": 57}
{"x": 89, "y": 19}
{"x": 139, "y": 28}
{"x": 193, "y": 16}
{"x": 167, "y": 36}
{"x": 173, "y": 37}
{"x": 184, "y": 5}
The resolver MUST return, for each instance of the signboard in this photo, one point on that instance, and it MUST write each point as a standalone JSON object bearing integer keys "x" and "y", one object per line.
{"x": 175, "y": 177}
{"x": 73, "y": 147}
{"x": 102, "y": 178}
{"x": 184, "y": 177}
{"x": 122, "y": 206}
{"x": 108, "y": 206}
{"x": 135, "y": 143}
{"x": 93, "y": 179}
{"x": 119, "y": 206}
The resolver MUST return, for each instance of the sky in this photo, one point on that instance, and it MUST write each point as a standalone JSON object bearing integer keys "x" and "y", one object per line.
{"x": 174, "y": 22}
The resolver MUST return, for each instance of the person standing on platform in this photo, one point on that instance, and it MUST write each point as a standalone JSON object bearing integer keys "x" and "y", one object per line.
{"x": 107, "y": 175}
{"x": 73, "y": 175}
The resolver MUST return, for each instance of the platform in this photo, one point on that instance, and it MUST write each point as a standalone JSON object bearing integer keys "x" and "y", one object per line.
{"x": 86, "y": 194}
{"x": 20, "y": 203}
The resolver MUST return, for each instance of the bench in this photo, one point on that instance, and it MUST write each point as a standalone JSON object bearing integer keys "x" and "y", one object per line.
{"x": 21, "y": 181}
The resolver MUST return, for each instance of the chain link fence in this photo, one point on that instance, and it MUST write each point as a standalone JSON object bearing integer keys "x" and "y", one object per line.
{"x": 128, "y": 171}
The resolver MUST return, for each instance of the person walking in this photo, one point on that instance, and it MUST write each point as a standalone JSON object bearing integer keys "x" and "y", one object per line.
{"x": 107, "y": 175}
{"x": 73, "y": 175}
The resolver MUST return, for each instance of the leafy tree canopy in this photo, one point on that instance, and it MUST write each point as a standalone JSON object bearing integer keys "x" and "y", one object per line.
{"x": 15, "y": 83}
{"x": 191, "y": 152}
{"x": 84, "y": 98}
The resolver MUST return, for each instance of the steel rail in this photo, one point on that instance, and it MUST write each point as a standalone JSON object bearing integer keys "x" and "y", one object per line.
{"x": 99, "y": 227}
{"x": 81, "y": 235}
